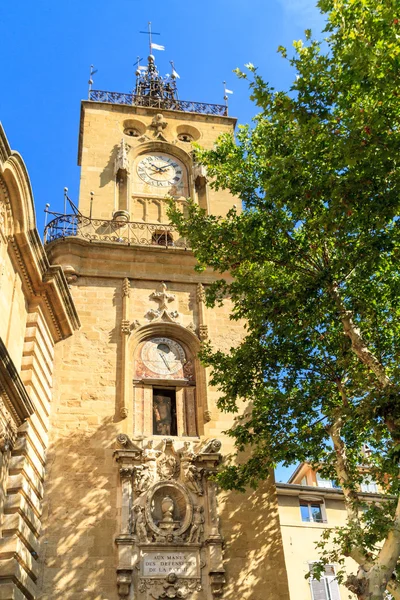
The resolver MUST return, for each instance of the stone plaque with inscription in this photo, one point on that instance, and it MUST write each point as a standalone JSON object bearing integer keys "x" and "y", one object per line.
{"x": 161, "y": 564}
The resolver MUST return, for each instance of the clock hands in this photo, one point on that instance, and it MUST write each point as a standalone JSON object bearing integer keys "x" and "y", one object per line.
{"x": 165, "y": 360}
{"x": 160, "y": 169}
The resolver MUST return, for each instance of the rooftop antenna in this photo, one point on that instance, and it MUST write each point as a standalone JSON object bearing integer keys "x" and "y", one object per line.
{"x": 90, "y": 82}
{"x": 149, "y": 32}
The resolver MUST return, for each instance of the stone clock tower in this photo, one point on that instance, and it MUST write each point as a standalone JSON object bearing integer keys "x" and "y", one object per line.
{"x": 131, "y": 508}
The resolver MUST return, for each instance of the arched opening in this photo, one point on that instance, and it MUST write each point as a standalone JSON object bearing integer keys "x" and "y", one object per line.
{"x": 166, "y": 395}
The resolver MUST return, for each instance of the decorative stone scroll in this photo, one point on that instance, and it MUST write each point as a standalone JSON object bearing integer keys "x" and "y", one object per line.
{"x": 169, "y": 526}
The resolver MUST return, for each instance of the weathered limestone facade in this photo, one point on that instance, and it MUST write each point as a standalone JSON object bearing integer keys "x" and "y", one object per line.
{"x": 36, "y": 312}
{"x": 130, "y": 508}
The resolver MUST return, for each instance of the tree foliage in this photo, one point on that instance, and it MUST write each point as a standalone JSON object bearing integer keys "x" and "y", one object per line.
{"x": 314, "y": 265}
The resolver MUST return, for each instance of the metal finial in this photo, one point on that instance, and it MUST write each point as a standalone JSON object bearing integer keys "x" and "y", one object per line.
{"x": 90, "y": 82}
{"x": 150, "y": 33}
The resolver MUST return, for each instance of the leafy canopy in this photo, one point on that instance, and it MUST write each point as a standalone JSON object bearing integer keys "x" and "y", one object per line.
{"x": 314, "y": 259}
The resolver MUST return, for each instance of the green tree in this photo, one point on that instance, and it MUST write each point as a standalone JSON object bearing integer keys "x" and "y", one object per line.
{"x": 314, "y": 265}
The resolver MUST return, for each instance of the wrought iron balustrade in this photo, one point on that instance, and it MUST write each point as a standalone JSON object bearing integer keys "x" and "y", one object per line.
{"x": 156, "y": 102}
{"x": 127, "y": 233}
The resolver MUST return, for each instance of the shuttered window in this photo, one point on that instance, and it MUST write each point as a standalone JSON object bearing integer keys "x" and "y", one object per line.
{"x": 327, "y": 587}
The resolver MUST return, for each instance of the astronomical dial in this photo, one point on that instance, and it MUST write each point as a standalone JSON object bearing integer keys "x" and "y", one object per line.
{"x": 160, "y": 171}
{"x": 163, "y": 356}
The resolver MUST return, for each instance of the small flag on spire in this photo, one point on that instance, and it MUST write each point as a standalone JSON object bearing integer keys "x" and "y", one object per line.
{"x": 142, "y": 68}
{"x": 175, "y": 74}
{"x": 157, "y": 46}
{"x": 228, "y": 91}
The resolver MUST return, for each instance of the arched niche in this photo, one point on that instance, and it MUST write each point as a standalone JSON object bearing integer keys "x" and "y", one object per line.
{"x": 185, "y": 385}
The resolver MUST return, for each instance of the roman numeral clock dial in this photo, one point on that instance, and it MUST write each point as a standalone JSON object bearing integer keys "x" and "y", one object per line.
{"x": 160, "y": 171}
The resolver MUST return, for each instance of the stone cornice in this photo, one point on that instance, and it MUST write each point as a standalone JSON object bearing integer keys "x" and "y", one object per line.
{"x": 46, "y": 282}
{"x": 110, "y": 260}
{"x": 12, "y": 388}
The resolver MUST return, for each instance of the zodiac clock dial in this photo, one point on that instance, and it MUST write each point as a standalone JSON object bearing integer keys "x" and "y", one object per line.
{"x": 160, "y": 171}
{"x": 163, "y": 356}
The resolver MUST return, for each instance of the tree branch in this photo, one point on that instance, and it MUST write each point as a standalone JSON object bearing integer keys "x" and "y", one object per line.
{"x": 358, "y": 344}
{"x": 350, "y": 495}
{"x": 390, "y": 551}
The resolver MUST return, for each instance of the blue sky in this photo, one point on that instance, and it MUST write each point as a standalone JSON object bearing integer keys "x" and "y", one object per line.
{"x": 49, "y": 46}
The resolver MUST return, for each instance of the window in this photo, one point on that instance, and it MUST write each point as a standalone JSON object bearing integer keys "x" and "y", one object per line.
{"x": 164, "y": 412}
{"x": 162, "y": 238}
{"x": 311, "y": 512}
{"x": 369, "y": 486}
{"x": 327, "y": 587}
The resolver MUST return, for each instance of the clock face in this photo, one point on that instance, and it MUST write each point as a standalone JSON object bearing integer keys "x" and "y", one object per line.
{"x": 160, "y": 171}
{"x": 163, "y": 356}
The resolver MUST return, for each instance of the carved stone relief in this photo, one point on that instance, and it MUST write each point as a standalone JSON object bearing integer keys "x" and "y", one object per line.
{"x": 163, "y": 297}
{"x": 172, "y": 526}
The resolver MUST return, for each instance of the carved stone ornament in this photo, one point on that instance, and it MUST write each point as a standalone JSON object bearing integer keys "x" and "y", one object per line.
{"x": 201, "y": 294}
{"x": 169, "y": 509}
{"x": 207, "y": 416}
{"x": 126, "y": 287}
{"x": 139, "y": 524}
{"x": 8, "y": 429}
{"x": 123, "y": 439}
{"x": 203, "y": 332}
{"x": 159, "y": 124}
{"x": 168, "y": 467}
{"x": 121, "y": 163}
{"x": 170, "y": 587}
{"x": 2, "y": 214}
{"x": 197, "y": 529}
{"x": 162, "y": 313}
{"x": 211, "y": 447}
{"x": 170, "y": 526}
{"x": 125, "y": 326}
{"x": 193, "y": 478}
{"x": 143, "y": 477}
{"x": 124, "y": 577}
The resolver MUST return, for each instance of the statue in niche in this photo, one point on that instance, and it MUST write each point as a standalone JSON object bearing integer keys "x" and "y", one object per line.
{"x": 194, "y": 477}
{"x": 139, "y": 524}
{"x": 162, "y": 410}
{"x": 197, "y": 526}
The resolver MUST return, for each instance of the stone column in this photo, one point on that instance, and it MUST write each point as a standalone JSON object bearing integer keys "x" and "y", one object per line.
{"x": 125, "y": 540}
{"x": 201, "y": 301}
{"x": 125, "y": 331}
{"x": 214, "y": 539}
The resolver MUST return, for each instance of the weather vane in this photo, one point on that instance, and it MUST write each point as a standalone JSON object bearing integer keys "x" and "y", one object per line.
{"x": 150, "y": 33}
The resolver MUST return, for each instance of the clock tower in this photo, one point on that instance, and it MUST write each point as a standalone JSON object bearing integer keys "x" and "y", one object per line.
{"x": 132, "y": 509}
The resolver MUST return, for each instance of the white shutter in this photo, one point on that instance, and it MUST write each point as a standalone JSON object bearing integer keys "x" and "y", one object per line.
{"x": 318, "y": 589}
{"x": 333, "y": 587}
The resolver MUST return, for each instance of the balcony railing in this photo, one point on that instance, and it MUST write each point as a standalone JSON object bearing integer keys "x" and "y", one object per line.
{"x": 161, "y": 103}
{"x": 127, "y": 233}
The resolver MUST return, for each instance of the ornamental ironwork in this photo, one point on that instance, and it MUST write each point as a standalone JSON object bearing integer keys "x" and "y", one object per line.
{"x": 128, "y": 233}
{"x": 165, "y": 103}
